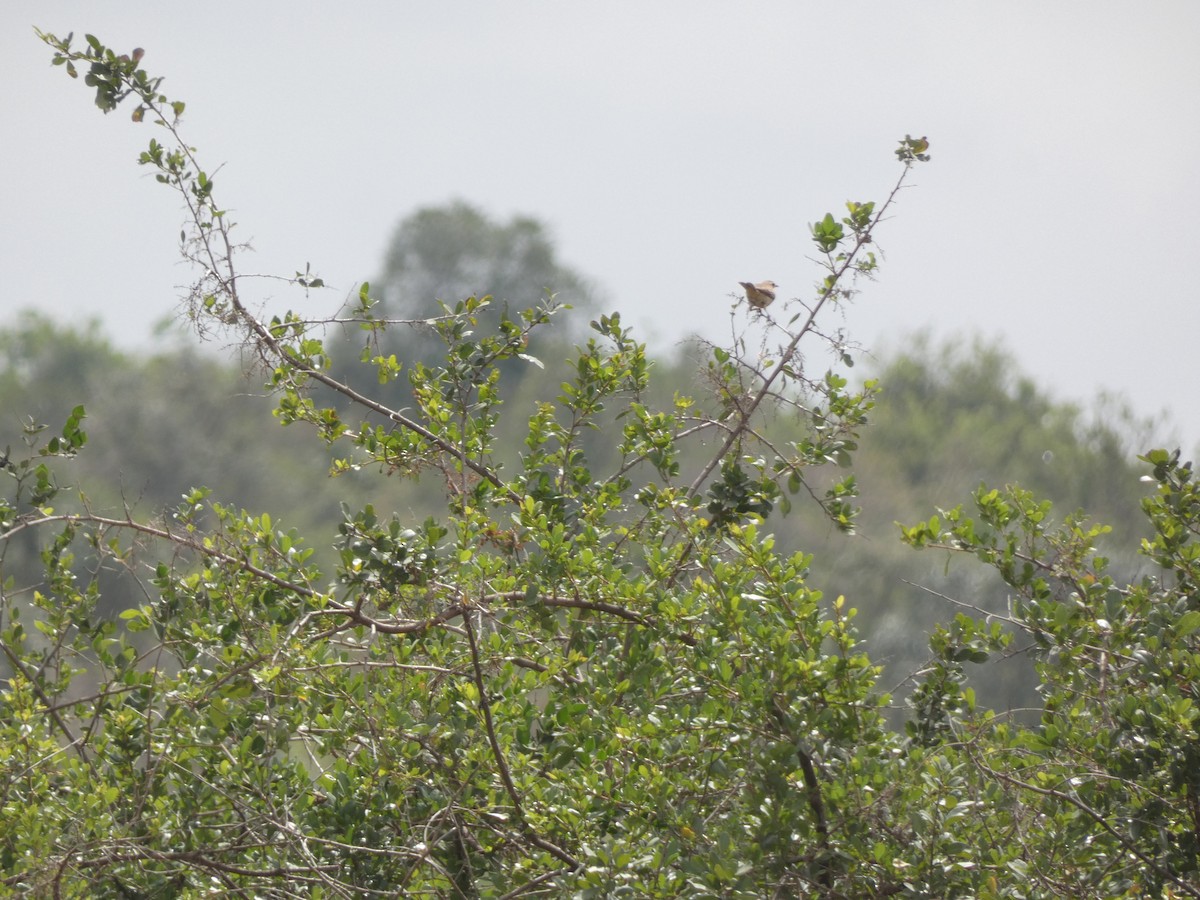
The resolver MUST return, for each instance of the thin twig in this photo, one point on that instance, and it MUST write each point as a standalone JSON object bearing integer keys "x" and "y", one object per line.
{"x": 498, "y": 754}
{"x": 827, "y": 292}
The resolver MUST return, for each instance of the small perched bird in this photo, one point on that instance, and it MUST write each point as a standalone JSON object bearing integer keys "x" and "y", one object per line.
{"x": 760, "y": 295}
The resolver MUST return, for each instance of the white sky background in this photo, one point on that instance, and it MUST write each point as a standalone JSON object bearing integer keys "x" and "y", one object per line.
{"x": 673, "y": 148}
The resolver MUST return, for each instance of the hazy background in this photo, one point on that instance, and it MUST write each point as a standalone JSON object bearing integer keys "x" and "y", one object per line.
{"x": 673, "y": 148}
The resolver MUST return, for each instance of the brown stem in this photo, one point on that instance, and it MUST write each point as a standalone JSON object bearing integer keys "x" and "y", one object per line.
{"x": 485, "y": 707}
{"x": 827, "y": 292}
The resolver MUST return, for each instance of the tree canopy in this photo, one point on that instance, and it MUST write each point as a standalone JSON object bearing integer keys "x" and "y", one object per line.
{"x": 455, "y": 251}
{"x": 586, "y": 674}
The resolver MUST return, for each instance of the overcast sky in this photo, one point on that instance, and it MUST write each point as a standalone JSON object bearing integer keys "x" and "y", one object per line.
{"x": 673, "y": 149}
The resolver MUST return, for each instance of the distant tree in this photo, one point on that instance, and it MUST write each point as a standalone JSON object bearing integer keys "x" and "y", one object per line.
{"x": 456, "y": 251}
{"x": 52, "y": 369}
{"x": 447, "y": 254}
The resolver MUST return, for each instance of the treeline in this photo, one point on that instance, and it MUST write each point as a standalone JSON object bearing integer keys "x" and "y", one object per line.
{"x": 948, "y": 418}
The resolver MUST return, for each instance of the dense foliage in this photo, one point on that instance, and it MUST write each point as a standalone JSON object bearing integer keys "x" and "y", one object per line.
{"x": 587, "y": 674}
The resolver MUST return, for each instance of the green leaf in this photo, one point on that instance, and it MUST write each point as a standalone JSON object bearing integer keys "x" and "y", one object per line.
{"x": 1188, "y": 623}
{"x": 135, "y": 619}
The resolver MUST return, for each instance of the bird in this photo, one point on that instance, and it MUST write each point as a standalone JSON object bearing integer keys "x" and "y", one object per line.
{"x": 760, "y": 295}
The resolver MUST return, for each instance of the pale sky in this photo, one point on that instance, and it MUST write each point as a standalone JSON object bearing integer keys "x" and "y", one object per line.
{"x": 673, "y": 149}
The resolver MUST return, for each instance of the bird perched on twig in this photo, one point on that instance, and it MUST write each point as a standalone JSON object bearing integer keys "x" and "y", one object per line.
{"x": 760, "y": 295}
